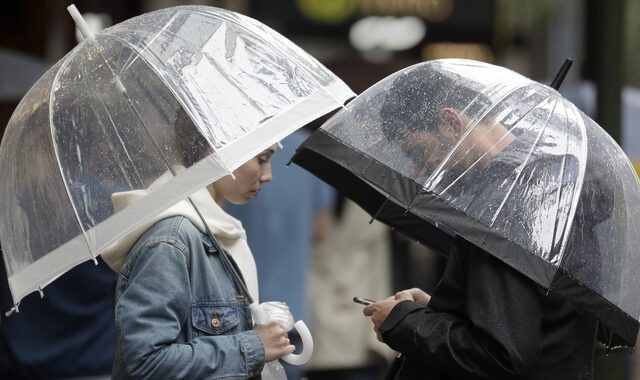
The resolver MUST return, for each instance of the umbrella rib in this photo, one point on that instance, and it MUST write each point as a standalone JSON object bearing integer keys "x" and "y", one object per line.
{"x": 138, "y": 54}
{"x": 57, "y": 152}
{"x": 101, "y": 125}
{"x": 386, "y": 200}
{"x": 577, "y": 190}
{"x": 521, "y": 167}
{"x": 558, "y": 197}
{"x": 559, "y": 193}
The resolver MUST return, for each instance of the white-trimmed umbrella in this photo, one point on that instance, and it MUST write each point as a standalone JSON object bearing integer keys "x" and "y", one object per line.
{"x": 103, "y": 119}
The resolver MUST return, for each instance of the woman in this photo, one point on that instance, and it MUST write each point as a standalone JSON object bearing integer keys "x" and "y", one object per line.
{"x": 179, "y": 311}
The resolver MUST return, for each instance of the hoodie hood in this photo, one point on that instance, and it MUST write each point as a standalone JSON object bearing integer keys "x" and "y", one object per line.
{"x": 228, "y": 231}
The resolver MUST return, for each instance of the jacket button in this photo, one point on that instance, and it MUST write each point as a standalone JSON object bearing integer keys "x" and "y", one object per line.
{"x": 215, "y": 322}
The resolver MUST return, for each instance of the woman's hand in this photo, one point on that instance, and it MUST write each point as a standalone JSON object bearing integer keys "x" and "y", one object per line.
{"x": 275, "y": 341}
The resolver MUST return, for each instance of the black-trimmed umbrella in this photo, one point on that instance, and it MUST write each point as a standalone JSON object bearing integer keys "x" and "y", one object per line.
{"x": 529, "y": 178}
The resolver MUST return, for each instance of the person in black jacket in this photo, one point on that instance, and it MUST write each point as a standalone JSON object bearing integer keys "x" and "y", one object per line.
{"x": 485, "y": 320}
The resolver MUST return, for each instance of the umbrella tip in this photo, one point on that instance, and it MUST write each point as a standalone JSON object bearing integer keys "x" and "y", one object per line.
{"x": 87, "y": 33}
{"x": 562, "y": 73}
{"x": 15, "y": 308}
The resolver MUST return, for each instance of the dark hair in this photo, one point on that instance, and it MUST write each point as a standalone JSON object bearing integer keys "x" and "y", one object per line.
{"x": 191, "y": 145}
{"x": 416, "y": 96}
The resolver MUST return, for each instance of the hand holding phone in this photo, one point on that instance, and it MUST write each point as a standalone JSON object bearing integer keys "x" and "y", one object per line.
{"x": 363, "y": 301}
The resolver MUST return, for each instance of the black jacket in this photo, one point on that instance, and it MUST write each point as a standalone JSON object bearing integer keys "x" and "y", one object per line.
{"x": 487, "y": 321}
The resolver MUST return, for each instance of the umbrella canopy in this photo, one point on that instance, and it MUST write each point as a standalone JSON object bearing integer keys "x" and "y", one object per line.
{"x": 458, "y": 147}
{"x": 195, "y": 87}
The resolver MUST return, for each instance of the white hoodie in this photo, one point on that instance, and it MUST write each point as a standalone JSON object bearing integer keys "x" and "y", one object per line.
{"x": 228, "y": 231}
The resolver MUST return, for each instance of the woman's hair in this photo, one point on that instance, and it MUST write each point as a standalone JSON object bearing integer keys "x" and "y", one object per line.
{"x": 191, "y": 145}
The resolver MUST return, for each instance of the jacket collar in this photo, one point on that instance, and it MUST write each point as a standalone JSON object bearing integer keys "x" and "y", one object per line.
{"x": 221, "y": 224}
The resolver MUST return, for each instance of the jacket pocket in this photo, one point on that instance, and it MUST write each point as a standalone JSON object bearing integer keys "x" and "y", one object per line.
{"x": 214, "y": 318}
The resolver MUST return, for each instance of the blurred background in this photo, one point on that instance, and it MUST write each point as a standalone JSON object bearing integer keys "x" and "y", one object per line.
{"x": 363, "y": 41}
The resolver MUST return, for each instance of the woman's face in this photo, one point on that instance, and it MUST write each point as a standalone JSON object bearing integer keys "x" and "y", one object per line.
{"x": 249, "y": 179}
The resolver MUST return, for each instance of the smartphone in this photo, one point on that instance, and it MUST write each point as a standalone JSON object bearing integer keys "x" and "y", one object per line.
{"x": 363, "y": 301}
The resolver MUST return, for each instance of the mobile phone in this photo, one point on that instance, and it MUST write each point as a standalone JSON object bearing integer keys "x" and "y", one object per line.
{"x": 363, "y": 301}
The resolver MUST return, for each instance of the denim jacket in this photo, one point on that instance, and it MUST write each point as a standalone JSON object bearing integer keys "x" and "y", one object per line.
{"x": 179, "y": 314}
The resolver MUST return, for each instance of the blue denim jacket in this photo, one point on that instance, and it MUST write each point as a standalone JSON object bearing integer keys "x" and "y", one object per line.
{"x": 179, "y": 314}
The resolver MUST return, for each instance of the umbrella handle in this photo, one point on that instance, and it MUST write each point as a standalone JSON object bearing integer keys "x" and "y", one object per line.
{"x": 307, "y": 346}
{"x": 260, "y": 316}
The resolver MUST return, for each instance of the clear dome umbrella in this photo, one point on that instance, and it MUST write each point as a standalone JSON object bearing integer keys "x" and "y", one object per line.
{"x": 193, "y": 91}
{"x": 529, "y": 178}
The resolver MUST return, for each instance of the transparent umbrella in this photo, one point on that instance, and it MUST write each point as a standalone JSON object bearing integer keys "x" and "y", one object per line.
{"x": 107, "y": 118}
{"x": 530, "y": 178}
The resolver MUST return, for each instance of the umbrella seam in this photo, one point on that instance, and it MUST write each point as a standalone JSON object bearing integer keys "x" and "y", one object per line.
{"x": 72, "y": 54}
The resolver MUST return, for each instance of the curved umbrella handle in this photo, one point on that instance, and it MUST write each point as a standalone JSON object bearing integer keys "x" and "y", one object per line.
{"x": 261, "y": 317}
{"x": 307, "y": 346}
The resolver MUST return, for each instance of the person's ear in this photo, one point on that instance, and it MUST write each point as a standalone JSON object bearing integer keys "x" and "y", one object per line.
{"x": 451, "y": 124}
